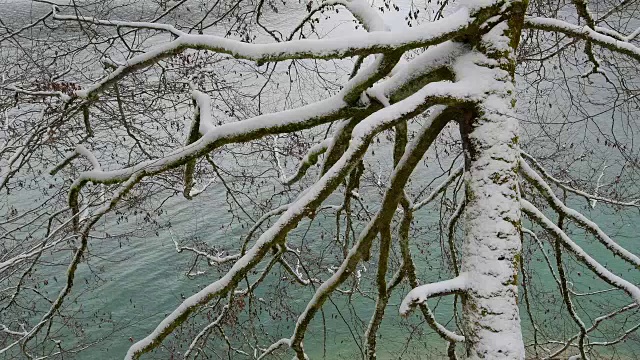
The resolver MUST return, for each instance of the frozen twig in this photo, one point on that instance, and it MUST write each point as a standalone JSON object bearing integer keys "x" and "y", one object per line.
{"x": 211, "y": 259}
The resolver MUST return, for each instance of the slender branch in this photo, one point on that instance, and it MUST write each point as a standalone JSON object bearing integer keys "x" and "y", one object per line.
{"x": 579, "y": 253}
{"x": 585, "y": 33}
{"x": 451, "y": 226}
{"x": 562, "y": 184}
{"x": 410, "y": 270}
{"x": 211, "y": 259}
{"x": 371, "y": 334}
{"x": 593, "y": 327}
{"x": 310, "y": 159}
{"x": 26, "y": 27}
{"x": 362, "y": 44}
{"x": 208, "y": 328}
{"x": 440, "y": 188}
{"x": 567, "y": 296}
{"x": 587, "y": 224}
{"x": 116, "y": 23}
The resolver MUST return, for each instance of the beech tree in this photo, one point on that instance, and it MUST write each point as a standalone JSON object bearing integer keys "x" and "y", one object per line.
{"x": 526, "y": 109}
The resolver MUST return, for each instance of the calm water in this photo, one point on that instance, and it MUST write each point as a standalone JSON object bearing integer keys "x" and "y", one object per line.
{"x": 143, "y": 279}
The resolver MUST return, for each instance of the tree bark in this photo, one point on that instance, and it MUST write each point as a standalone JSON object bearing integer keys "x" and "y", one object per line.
{"x": 491, "y": 246}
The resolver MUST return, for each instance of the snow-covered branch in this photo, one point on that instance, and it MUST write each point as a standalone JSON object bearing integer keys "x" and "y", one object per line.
{"x": 116, "y": 23}
{"x": 438, "y": 118}
{"x": 624, "y": 38}
{"x": 296, "y": 119}
{"x": 363, "y": 133}
{"x": 587, "y": 224}
{"x": 430, "y": 33}
{"x": 220, "y": 258}
{"x": 81, "y": 150}
{"x": 585, "y": 33}
{"x": 208, "y": 328}
{"x": 579, "y": 253}
{"x": 420, "y": 294}
{"x": 310, "y": 159}
{"x": 275, "y": 346}
{"x": 38, "y": 93}
{"x": 563, "y": 185}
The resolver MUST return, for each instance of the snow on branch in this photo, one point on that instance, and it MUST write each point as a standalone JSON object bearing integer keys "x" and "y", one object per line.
{"x": 18, "y": 90}
{"x": 585, "y": 33}
{"x": 81, "y": 150}
{"x": 363, "y": 133}
{"x": 371, "y": 20}
{"x": 625, "y": 38}
{"x": 579, "y": 253}
{"x": 562, "y": 185}
{"x": 364, "y": 12}
{"x": 582, "y": 220}
{"x": 298, "y": 276}
{"x": 435, "y": 57}
{"x": 207, "y": 328}
{"x": 430, "y": 33}
{"x": 203, "y": 102}
{"x": 420, "y": 294}
{"x": 464, "y": 90}
{"x": 116, "y": 23}
{"x": 429, "y": 66}
{"x": 212, "y": 259}
{"x": 276, "y": 345}
{"x": 328, "y": 110}
{"x": 285, "y": 121}
{"x": 310, "y": 159}
{"x": 399, "y": 177}
{"x": 621, "y": 338}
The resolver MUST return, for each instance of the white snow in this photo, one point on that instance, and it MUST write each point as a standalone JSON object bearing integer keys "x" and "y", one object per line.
{"x": 420, "y": 294}
{"x": 81, "y": 150}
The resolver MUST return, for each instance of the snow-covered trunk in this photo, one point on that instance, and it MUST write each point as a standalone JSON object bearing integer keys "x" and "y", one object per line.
{"x": 491, "y": 248}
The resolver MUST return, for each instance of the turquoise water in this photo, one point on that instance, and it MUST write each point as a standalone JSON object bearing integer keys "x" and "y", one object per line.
{"x": 150, "y": 281}
{"x": 143, "y": 279}
{"x": 131, "y": 282}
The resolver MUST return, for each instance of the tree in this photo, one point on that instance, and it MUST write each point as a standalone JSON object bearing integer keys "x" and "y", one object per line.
{"x": 449, "y": 84}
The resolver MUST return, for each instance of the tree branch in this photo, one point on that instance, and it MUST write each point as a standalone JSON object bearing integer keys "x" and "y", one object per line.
{"x": 580, "y": 254}
{"x": 590, "y": 226}
{"x": 585, "y": 33}
{"x": 420, "y": 294}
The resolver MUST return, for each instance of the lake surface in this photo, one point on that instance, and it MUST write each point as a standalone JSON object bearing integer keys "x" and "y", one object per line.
{"x": 135, "y": 282}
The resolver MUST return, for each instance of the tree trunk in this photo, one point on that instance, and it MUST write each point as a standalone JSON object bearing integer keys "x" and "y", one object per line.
{"x": 491, "y": 246}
